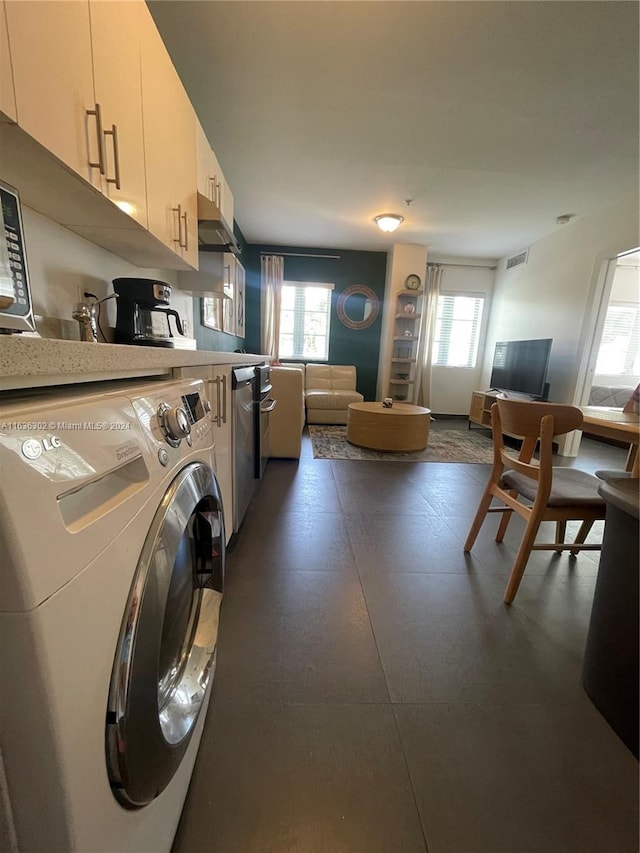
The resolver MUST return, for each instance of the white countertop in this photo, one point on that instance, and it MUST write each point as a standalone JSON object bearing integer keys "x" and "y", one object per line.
{"x": 29, "y": 362}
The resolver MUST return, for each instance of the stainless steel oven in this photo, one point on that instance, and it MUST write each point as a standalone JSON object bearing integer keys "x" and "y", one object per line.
{"x": 264, "y": 404}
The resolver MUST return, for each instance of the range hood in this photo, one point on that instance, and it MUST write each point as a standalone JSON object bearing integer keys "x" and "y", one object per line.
{"x": 214, "y": 234}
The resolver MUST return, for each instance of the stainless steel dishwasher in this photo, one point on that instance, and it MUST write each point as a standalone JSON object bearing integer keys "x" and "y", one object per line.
{"x": 264, "y": 406}
{"x": 244, "y": 441}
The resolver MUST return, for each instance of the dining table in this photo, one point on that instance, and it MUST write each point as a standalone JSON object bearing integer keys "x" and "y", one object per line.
{"x": 617, "y": 425}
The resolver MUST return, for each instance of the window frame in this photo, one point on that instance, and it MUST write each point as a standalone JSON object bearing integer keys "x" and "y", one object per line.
{"x": 476, "y": 335}
{"x": 298, "y": 333}
{"x": 630, "y": 357}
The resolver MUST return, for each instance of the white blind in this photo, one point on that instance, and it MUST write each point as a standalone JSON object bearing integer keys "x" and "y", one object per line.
{"x": 619, "y": 353}
{"x": 457, "y": 332}
{"x": 305, "y": 315}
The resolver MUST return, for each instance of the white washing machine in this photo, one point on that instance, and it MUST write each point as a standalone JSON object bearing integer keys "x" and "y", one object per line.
{"x": 112, "y": 543}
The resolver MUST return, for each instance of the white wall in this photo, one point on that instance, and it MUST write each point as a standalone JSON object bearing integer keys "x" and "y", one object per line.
{"x": 451, "y": 387}
{"x": 62, "y": 265}
{"x": 553, "y": 295}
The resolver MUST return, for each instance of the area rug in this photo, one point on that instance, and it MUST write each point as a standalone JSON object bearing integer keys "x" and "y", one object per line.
{"x": 330, "y": 442}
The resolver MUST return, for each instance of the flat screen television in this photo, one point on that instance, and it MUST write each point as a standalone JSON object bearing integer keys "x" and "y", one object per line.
{"x": 521, "y": 367}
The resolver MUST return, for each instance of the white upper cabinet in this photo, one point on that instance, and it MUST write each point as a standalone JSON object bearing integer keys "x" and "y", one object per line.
{"x": 207, "y": 164}
{"x": 82, "y": 98}
{"x": 50, "y": 45}
{"x": 208, "y": 280}
{"x": 95, "y": 87}
{"x": 157, "y": 81}
{"x": 229, "y": 270}
{"x": 240, "y": 299}
{"x": 170, "y": 148}
{"x": 115, "y": 38}
{"x": 7, "y": 95}
{"x": 226, "y": 201}
{"x": 186, "y": 176}
{"x": 211, "y": 181}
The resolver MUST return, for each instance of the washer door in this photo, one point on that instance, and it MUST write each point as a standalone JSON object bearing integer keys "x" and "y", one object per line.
{"x": 166, "y": 649}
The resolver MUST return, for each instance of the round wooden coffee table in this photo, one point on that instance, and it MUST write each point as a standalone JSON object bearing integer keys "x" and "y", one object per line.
{"x": 403, "y": 427}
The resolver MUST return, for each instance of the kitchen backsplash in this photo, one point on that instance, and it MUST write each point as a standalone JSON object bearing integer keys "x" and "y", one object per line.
{"x": 58, "y": 328}
{"x": 63, "y": 265}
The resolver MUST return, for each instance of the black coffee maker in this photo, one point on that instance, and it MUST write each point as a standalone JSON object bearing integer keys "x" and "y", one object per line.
{"x": 141, "y": 317}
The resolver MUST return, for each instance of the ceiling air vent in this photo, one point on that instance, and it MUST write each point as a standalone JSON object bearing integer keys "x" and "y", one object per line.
{"x": 517, "y": 260}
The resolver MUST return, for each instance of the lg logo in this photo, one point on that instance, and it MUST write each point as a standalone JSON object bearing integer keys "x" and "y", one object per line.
{"x": 33, "y": 448}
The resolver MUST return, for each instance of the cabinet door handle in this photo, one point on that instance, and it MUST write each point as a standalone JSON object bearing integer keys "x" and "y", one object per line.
{"x": 212, "y": 189}
{"x": 217, "y": 417}
{"x": 219, "y": 194}
{"x": 185, "y": 245}
{"x": 116, "y": 156}
{"x": 219, "y": 400}
{"x": 224, "y": 399}
{"x": 182, "y": 217}
{"x": 97, "y": 112}
{"x": 178, "y": 210}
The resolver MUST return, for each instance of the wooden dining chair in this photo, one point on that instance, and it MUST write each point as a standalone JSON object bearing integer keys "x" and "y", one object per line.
{"x": 536, "y": 490}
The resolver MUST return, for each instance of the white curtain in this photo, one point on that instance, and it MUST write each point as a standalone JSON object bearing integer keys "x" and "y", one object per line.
{"x": 432, "y": 292}
{"x": 271, "y": 296}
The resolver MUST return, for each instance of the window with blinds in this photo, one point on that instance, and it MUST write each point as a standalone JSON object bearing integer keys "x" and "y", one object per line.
{"x": 457, "y": 331}
{"x": 305, "y": 315}
{"x": 619, "y": 353}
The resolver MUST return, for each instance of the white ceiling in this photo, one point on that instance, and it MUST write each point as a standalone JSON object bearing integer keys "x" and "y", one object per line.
{"x": 494, "y": 117}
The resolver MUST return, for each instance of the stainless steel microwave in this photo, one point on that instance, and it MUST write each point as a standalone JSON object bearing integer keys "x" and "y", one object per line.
{"x": 16, "y": 310}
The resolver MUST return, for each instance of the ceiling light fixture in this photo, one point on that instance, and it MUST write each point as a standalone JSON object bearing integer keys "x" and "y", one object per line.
{"x": 388, "y": 221}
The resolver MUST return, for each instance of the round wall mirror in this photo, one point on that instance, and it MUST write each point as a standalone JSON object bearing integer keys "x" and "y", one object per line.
{"x": 357, "y": 306}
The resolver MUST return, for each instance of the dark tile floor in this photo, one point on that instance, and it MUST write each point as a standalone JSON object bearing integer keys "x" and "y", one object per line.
{"x": 374, "y": 695}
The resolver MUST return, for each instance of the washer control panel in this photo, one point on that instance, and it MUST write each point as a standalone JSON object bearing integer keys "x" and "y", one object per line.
{"x": 174, "y": 423}
{"x": 176, "y": 414}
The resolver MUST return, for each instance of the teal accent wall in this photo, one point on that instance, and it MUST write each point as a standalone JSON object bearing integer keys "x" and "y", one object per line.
{"x": 210, "y": 339}
{"x": 360, "y": 347}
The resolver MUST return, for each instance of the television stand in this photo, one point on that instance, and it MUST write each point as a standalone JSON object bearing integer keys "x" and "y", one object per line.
{"x": 481, "y": 402}
{"x": 480, "y": 408}
{"x": 480, "y": 414}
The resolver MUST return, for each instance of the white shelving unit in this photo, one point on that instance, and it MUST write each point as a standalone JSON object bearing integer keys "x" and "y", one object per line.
{"x": 406, "y": 339}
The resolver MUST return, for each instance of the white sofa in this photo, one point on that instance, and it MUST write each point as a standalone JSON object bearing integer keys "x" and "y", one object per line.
{"x": 611, "y": 396}
{"x": 329, "y": 388}
{"x": 317, "y": 393}
{"x": 286, "y": 422}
